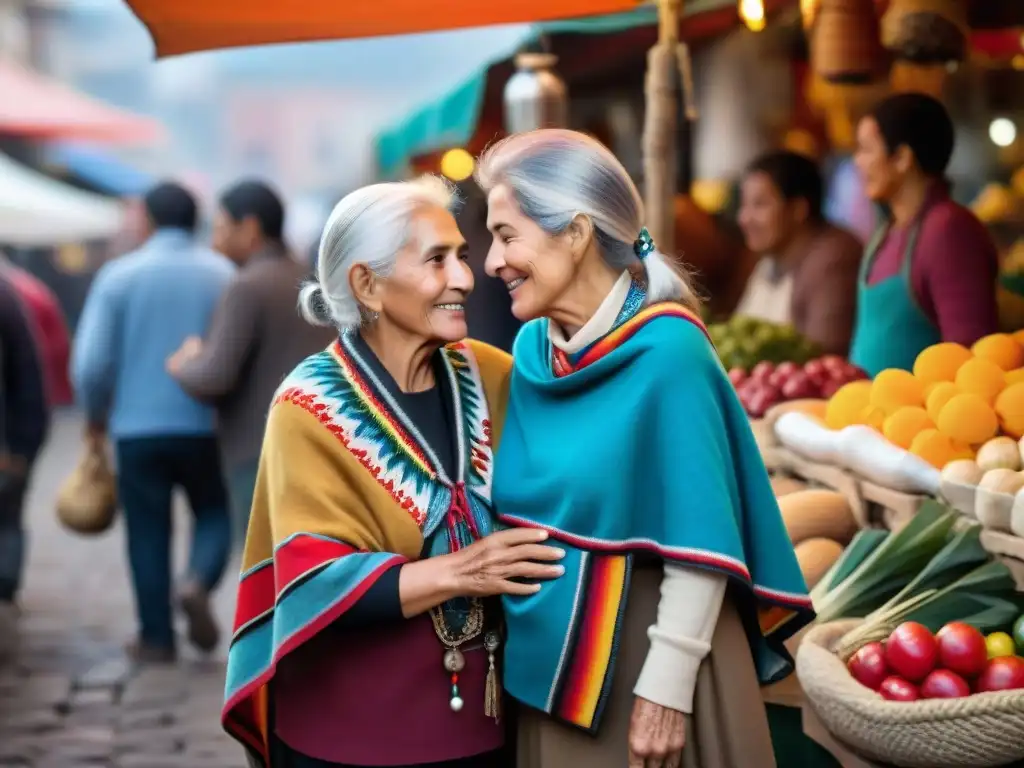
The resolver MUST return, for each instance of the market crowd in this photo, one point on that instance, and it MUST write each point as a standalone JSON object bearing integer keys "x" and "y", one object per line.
{"x": 422, "y": 514}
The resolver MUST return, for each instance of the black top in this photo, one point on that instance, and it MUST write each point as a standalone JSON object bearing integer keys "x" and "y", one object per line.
{"x": 430, "y": 411}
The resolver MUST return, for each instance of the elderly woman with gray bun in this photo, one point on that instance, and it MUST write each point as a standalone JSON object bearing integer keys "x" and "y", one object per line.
{"x": 625, "y": 442}
{"x": 365, "y": 634}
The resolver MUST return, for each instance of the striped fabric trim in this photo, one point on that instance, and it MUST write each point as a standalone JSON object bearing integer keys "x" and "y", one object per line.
{"x": 379, "y": 413}
{"x": 584, "y": 681}
{"x": 563, "y": 366}
{"x": 698, "y": 557}
{"x": 311, "y": 581}
{"x": 296, "y": 558}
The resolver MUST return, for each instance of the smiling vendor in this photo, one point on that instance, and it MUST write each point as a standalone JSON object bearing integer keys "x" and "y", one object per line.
{"x": 929, "y": 273}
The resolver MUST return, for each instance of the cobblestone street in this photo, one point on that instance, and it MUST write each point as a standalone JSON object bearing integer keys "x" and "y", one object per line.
{"x": 67, "y": 696}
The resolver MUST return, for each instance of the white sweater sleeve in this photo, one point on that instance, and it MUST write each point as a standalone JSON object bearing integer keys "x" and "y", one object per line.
{"x": 691, "y": 600}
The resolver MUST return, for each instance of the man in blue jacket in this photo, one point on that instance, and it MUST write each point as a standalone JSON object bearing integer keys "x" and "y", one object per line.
{"x": 140, "y": 309}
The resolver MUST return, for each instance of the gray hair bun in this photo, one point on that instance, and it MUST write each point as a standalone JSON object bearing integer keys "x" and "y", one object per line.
{"x": 313, "y": 304}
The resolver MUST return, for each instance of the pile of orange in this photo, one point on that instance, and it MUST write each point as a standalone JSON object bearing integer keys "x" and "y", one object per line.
{"x": 954, "y": 401}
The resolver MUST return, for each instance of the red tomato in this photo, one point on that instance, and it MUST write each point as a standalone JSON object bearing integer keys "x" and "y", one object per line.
{"x": 834, "y": 364}
{"x": 1005, "y": 673}
{"x": 762, "y": 371}
{"x": 867, "y": 666}
{"x": 895, "y": 688}
{"x": 830, "y": 387}
{"x": 962, "y": 649}
{"x": 943, "y": 684}
{"x": 911, "y": 651}
{"x": 737, "y": 376}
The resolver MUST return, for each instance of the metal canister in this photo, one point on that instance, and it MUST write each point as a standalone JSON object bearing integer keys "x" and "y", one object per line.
{"x": 535, "y": 96}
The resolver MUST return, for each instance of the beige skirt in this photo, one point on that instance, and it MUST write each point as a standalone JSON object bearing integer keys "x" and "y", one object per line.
{"x": 728, "y": 728}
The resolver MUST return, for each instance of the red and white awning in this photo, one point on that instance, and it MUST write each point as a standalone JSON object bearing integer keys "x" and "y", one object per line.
{"x": 38, "y": 107}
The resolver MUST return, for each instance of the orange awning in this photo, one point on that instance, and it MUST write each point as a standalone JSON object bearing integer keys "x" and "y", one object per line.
{"x": 183, "y": 26}
{"x": 39, "y": 107}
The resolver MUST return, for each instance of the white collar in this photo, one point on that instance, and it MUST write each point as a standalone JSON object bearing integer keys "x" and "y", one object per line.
{"x": 600, "y": 323}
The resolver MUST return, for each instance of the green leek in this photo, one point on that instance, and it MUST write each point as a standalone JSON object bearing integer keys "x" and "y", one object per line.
{"x": 889, "y": 567}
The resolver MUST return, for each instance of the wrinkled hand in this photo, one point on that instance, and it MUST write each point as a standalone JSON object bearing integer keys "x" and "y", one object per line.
{"x": 657, "y": 736}
{"x": 189, "y": 349}
{"x": 492, "y": 565}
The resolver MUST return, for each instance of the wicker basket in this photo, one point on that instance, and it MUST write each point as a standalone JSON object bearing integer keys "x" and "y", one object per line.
{"x": 845, "y": 44}
{"x": 982, "y": 730}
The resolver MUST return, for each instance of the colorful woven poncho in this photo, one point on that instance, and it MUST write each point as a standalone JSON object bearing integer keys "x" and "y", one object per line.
{"x": 638, "y": 446}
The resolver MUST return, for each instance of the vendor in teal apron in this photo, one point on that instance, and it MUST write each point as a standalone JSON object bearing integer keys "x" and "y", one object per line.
{"x": 929, "y": 273}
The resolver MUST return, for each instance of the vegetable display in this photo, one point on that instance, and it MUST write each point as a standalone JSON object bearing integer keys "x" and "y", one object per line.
{"x": 768, "y": 384}
{"x": 960, "y": 412}
{"x": 931, "y": 571}
{"x": 743, "y": 342}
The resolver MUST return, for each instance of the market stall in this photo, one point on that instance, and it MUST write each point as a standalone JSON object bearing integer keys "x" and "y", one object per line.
{"x": 904, "y": 499}
{"x": 39, "y": 211}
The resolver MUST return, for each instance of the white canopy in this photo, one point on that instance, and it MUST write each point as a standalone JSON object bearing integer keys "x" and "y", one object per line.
{"x": 36, "y": 210}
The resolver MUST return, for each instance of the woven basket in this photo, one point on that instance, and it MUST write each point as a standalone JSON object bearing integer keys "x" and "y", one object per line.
{"x": 985, "y": 729}
{"x": 845, "y": 44}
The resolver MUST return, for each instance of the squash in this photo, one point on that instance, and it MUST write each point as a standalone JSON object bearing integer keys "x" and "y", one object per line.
{"x": 816, "y": 556}
{"x": 808, "y": 406}
{"x": 999, "y": 453}
{"x": 959, "y": 485}
{"x": 868, "y": 454}
{"x": 783, "y": 485}
{"x": 815, "y": 514}
{"x": 1017, "y": 514}
{"x": 807, "y": 437}
{"x": 994, "y": 503}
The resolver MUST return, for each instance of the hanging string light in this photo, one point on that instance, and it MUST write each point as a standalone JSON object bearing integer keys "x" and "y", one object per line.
{"x": 752, "y": 13}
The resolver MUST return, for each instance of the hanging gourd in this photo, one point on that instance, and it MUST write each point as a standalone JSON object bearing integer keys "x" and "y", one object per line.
{"x": 927, "y": 39}
{"x": 848, "y": 63}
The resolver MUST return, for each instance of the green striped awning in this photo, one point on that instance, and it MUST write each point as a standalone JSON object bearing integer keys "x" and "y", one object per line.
{"x": 450, "y": 120}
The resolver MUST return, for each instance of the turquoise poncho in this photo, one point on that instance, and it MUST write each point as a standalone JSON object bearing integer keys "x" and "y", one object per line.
{"x": 639, "y": 446}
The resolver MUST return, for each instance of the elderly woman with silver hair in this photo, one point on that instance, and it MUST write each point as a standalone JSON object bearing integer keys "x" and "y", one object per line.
{"x": 625, "y": 442}
{"x": 364, "y": 633}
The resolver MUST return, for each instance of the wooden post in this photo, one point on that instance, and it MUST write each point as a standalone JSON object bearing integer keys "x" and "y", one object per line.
{"x": 660, "y": 127}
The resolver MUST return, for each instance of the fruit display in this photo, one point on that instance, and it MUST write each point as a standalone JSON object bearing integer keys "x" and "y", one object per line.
{"x": 767, "y": 384}
{"x": 952, "y": 404}
{"x": 912, "y": 664}
{"x": 743, "y": 342}
{"x": 957, "y": 405}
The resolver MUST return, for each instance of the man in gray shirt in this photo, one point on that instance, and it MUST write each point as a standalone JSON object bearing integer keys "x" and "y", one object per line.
{"x": 256, "y": 339}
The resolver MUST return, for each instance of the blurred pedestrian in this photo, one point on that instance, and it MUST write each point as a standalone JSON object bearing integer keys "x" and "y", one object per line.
{"x": 929, "y": 273}
{"x": 50, "y": 327}
{"x": 257, "y": 335}
{"x": 140, "y": 309}
{"x": 24, "y": 423}
{"x": 807, "y": 272}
